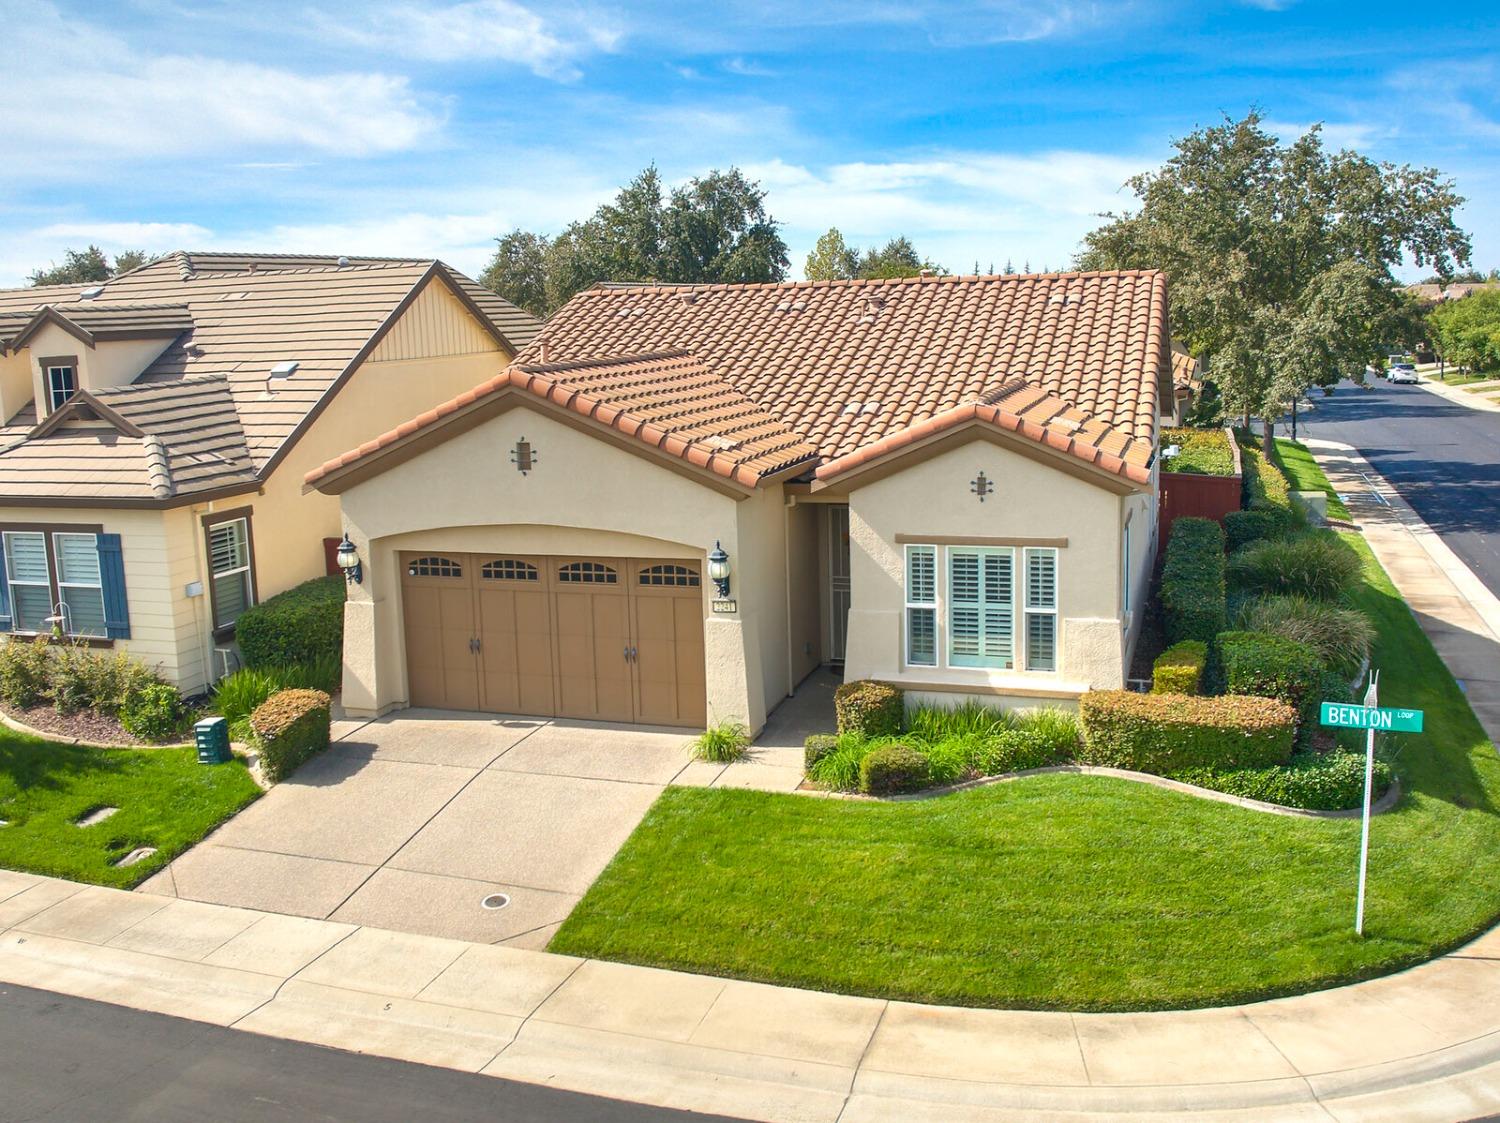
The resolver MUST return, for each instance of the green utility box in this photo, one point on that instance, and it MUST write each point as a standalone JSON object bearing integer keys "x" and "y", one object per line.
{"x": 212, "y": 738}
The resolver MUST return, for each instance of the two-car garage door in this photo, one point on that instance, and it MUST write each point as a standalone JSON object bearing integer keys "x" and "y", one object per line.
{"x": 614, "y": 639}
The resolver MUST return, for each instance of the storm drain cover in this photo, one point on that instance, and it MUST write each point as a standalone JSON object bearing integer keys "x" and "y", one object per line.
{"x": 97, "y": 815}
{"x": 495, "y": 901}
{"x": 139, "y": 854}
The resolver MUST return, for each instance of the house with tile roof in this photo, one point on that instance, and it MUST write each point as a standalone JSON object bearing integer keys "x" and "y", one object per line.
{"x": 155, "y": 431}
{"x": 678, "y": 501}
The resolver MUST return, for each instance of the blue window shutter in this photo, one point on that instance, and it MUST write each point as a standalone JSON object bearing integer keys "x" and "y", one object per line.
{"x": 5, "y": 616}
{"x": 112, "y": 574}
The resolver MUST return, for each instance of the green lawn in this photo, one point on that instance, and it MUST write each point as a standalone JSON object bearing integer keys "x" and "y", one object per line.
{"x": 1069, "y": 892}
{"x": 1305, "y": 475}
{"x": 166, "y": 799}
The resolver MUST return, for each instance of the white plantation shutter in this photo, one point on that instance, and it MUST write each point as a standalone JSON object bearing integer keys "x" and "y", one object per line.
{"x": 227, "y": 547}
{"x": 981, "y": 612}
{"x": 30, "y": 580}
{"x": 229, "y": 559}
{"x": 921, "y": 606}
{"x": 77, "y": 559}
{"x": 27, "y": 557}
{"x": 79, "y": 584}
{"x": 1041, "y": 610}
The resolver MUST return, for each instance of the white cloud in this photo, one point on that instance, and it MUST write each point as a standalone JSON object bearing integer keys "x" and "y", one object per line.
{"x": 126, "y": 235}
{"x": 1336, "y": 134}
{"x": 484, "y": 30}
{"x": 748, "y": 68}
{"x": 75, "y": 94}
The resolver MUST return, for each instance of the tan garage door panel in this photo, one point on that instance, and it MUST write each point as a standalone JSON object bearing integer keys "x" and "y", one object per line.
{"x": 609, "y": 639}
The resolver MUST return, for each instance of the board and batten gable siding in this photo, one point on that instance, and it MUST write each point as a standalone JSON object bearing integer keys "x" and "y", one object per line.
{"x": 436, "y": 323}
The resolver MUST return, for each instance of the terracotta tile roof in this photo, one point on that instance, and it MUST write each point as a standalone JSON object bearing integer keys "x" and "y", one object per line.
{"x": 670, "y": 400}
{"x": 1017, "y": 407}
{"x": 235, "y": 316}
{"x": 848, "y": 363}
{"x": 1184, "y": 368}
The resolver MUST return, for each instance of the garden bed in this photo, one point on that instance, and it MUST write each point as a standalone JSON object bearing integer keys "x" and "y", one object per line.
{"x": 1067, "y": 891}
{"x": 89, "y": 726}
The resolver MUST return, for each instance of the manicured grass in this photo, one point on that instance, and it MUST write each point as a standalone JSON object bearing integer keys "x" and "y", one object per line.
{"x": 1305, "y": 475}
{"x": 1204, "y": 451}
{"x": 1070, "y": 892}
{"x": 166, "y": 799}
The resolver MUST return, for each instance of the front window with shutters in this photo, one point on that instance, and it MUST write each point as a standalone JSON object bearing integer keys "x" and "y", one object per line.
{"x": 921, "y": 606}
{"x": 80, "y": 585}
{"x": 983, "y": 607}
{"x": 229, "y": 562}
{"x": 29, "y": 575}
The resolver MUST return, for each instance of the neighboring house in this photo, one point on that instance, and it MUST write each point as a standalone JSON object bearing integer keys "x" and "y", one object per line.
{"x": 944, "y": 482}
{"x": 155, "y": 429}
{"x": 1431, "y": 293}
{"x": 1187, "y": 382}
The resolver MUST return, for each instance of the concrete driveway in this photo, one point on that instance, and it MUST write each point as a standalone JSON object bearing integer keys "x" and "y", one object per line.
{"x": 411, "y": 821}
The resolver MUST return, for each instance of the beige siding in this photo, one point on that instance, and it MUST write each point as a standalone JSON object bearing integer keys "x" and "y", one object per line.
{"x": 16, "y": 384}
{"x": 436, "y": 323}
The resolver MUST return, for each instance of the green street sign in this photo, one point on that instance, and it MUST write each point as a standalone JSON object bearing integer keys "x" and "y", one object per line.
{"x": 1371, "y": 717}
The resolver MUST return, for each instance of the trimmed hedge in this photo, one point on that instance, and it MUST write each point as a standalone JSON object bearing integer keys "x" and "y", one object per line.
{"x": 1265, "y": 486}
{"x": 1192, "y": 582}
{"x": 870, "y": 709}
{"x": 1270, "y": 666}
{"x": 816, "y": 747}
{"x": 891, "y": 769}
{"x": 1241, "y": 528}
{"x": 1313, "y": 781}
{"x": 1166, "y": 733}
{"x": 289, "y": 727}
{"x": 1179, "y": 669}
{"x": 302, "y": 625}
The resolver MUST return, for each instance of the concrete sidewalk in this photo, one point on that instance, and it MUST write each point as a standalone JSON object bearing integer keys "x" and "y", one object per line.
{"x": 1422, "y": 1045}
{"x": 1455, "y": 609}
{"x": 1459, "y": 394}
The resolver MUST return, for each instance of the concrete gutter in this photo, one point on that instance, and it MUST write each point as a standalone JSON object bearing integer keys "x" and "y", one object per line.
{"x": 1421, "y": 1045}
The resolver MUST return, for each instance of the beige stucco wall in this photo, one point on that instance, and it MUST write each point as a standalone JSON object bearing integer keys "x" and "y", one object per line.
{"x": 585, "y": 497}
{"x": 17, "y": 384}
{"x": 1031, "y": 500}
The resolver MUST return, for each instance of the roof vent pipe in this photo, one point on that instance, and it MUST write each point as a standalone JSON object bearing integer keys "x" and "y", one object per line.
{"x": 279, "y": 372}
{"x": 343, "y": 262}
{"x": 546, "y": 352}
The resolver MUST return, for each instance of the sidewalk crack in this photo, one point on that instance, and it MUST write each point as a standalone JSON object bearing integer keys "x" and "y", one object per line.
{"x": 275, "y": 994}
{"x": 860, "y": 1063}
{"x": 527, "y": 1019}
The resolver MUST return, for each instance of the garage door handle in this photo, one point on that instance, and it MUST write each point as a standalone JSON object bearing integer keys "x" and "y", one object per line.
{"x": 633, "y": 655}
{"x": 627, "y": 653}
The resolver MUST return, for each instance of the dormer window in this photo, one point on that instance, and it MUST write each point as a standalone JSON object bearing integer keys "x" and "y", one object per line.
{"x": 61, "y": 379}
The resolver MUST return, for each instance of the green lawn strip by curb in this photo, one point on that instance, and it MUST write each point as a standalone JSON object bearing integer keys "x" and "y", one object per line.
{"x": 1070, "y": 892}
{"x": 1305, "y": 475}
{"x": 166, "y": 800}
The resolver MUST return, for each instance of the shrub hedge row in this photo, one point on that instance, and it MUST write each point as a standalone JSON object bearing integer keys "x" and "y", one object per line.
{"x": 1269, "y": 666}
{"x": 1166, "y": 733}
{"x": 305, "y": 624}
{"x": 1332, "y": 781}
{"x": 1241, "y": 528}
{"x": 1192, "y": 582}
{"x": 1179, "y": 669}
{"x": 892, "y": 769}
{"x": 289, "y": 727}
{"x": 1265, "y": 485}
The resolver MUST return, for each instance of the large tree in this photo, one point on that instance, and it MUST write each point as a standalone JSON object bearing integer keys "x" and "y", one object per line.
{"x": 832, "y": 259}
{"x": 1467, "y": 331}
{"x": 82, "y": 267}
{"x": 711, "y": 229}
{"x": 1280, "y": 257}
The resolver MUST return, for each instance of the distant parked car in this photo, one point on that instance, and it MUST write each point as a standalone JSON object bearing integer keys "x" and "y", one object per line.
{"x": 1404, "y": 374}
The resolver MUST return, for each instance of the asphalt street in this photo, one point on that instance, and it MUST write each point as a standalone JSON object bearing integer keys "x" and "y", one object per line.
{"x": 1442, "y": 457}
{"x": 65, "y": 1059}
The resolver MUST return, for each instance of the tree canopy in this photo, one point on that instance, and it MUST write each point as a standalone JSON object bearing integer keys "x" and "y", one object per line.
{"x": 1280, "y": 257}
{"x": 1467, "y": 331}
{"x": 711, "y": 229}
{"x": 82, "y": 267}
{"x": 832, "y": 259}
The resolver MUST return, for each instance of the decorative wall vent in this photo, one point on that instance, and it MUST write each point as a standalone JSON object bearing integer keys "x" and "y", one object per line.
{"x": 523, "y": 456}
{"x": 981, "y": 486}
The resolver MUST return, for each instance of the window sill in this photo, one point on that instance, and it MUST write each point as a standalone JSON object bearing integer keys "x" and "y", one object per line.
{"x": 964, "y": 680}
{"x": 87, "y": 641}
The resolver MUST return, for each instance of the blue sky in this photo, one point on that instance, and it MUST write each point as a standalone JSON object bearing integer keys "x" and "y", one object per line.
{"x": 984, "y": 132}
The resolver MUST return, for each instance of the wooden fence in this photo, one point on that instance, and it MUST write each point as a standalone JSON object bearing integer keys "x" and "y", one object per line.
{"x": 1189, "y": 495}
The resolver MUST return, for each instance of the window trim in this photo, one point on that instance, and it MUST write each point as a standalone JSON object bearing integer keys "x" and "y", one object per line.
{"x": 934, "y": 606}
{"x": 210, "y": 521}
{"x": 48, "y": 364}
{"x": 47, "y": 530}
{"x": 1029, "y": 611}
{"x": 980, "y": 553}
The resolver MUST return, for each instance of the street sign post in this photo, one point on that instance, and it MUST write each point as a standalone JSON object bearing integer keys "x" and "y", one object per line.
{"x": 1372, "y": 718}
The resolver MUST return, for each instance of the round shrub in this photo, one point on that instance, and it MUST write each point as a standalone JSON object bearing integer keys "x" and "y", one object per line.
{"x": 816, "y": 747}
{"x": 288, "y": 727}
{"x": 25, "y": 667}
{"x": 1015, "y": 750}
{"x": 302, "y": 625}
{"x": 1179, "y": 669}
{"x": 892, "y": 769}
{"x": 154, "y": 713}
{"x": 1340, "y": 636}
{"x": 869, "y": 709}
{"x": 1244, "y": 527}
{"x": 1270, "y": 666}
{"x": 1318, "y": 566}
{"x": 1165, "y": 733}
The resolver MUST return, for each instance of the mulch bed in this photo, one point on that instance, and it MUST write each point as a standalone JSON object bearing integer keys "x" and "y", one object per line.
{"x": 86, "y": 725}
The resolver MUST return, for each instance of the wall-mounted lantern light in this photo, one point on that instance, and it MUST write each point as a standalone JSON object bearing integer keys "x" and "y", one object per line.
{"x": 718, "y": 569}
{"x": 348, "y": 560}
